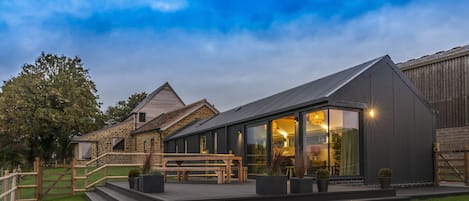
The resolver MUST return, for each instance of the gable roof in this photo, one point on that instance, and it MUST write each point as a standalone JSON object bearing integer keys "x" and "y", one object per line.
{"x": 303, "y": 95}
{"x": 434, "y": 58}
{"x": 166, "y": 120}
{"x": 152, "y": 95}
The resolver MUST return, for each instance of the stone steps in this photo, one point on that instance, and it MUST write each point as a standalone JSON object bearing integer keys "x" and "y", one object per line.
{"x": 111, "y": 192}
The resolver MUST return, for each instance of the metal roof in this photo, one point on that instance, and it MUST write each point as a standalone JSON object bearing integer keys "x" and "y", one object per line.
{"x": 302, "y": 95}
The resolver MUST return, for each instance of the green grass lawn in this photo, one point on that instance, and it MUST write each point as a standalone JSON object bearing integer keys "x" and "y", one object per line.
{"x": 451, "y": 198}
{"x": 62, "y": 190}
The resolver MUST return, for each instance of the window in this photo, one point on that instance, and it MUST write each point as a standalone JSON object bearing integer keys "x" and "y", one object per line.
{"x": 118, "y": 144}
{"x": 203, "y": 144}
{"x": 144, "y": 146}
{"x": 283, "y": 138}
{"x": 141, "y": 117}
{"x": 344, "y": 143}
{"x": 331, "y": 140}
{"x": 84, "y": 151}
{"x": 152, "y": 145}
{"x": 256, "y": 149}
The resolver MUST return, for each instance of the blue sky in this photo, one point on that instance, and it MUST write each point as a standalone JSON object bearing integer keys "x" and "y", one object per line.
{"x": 228, "y": 51}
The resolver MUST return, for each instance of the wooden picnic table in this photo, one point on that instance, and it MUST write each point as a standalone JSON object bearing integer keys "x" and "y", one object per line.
{"x": 227, "y": 160}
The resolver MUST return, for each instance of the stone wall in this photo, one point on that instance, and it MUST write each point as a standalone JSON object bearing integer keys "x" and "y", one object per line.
{"x": 103, "y": 139}
{"x": 201, "y": 113}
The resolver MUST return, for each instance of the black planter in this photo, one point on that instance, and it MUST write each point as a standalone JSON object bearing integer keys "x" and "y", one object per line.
{"x": 136, "y": 183}
{"x": 323, "y": 185}
{"x": 152, "y": 184}
{"x": 385, "y": 182}
{"x": 131, "y": 182}
{"x": 271, "y": 185}
{"x": 301, "y": 185}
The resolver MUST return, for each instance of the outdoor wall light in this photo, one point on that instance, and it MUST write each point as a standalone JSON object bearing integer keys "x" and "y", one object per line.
{"x": 372, "y": 113}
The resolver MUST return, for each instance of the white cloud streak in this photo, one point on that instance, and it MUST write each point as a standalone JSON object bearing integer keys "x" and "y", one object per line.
{"x": 236, "y": 68}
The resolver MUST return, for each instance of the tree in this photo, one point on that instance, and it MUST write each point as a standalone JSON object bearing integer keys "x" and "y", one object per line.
{"x": 121, "y": 110}
{"x": 49, "y": 102}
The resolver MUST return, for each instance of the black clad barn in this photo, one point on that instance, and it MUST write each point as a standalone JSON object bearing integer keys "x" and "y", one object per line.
{"x": 353, "y": 123}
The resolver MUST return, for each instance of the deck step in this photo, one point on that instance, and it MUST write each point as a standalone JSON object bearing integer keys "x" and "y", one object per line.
{"x": 112, "y": 195}
{"x": 395, "y": 198}
{"x": 136, "y": 195}
{"x": 93, "y": 196}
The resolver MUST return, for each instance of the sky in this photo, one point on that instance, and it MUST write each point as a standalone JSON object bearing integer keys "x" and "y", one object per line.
{"x": 229, "y": 51}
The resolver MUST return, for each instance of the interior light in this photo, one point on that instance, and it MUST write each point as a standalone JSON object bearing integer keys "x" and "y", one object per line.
{"x": 324, "y": 126}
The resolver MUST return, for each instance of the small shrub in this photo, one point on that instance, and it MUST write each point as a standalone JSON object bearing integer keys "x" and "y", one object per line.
{"x": 134, "y": 173}
{"x": 322, "y": 174}
{"x": 154, "y": 172}
{"x": 385, "y": 172}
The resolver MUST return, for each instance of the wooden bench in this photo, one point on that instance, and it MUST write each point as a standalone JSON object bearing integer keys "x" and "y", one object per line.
{"x": 183, "y": 172}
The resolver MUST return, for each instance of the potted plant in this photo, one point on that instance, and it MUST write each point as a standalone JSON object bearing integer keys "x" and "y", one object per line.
{"x": 151, "y": 181}
{"x": 300, "y": 184}
{"x": 384, "y": 177}
{"x": 274, "y": 183}
{"x": 322, "y": 177}
{"x": 133, "y": 174}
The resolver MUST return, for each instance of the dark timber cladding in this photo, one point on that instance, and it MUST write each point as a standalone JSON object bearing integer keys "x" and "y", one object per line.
{"x": 353, "y": 123}
{"x": 443, "y": 78}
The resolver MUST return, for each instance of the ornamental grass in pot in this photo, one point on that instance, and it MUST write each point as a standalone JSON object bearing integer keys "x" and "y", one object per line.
{"x": 384, "y": 177}
{"x": 322, "y": 179}
{"x": 300, "y": 183}
{"x": 151, "y": 181}
{"x": 274, "y": 183}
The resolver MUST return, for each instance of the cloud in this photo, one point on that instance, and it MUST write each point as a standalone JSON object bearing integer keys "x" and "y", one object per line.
{"x": 228, "y": 60}
{"x": 168, "y": 6}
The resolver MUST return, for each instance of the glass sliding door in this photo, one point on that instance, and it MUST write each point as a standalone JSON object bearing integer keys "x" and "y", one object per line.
{"x": 331, "y": 140}
{"x": 257, "y": 149}
{"x": 283, "y": 138}
{"x": 345, "y": 148}
{"x": 316, "y": 140}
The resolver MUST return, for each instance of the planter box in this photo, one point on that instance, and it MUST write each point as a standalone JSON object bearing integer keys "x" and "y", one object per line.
{"x": 152, "y": 183}
{"x": 301, "y": 185}
{"x": 323, "y": 185}
{"x": 385, "y": 182}
{"x": 131, "y": 182}
{"x": 136, "y": 183}
{"x": 271, "y": 185}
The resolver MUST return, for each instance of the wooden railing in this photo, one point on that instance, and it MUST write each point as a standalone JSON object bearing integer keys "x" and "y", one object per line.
{"x": 101, "y": 164}
{"x": 12, "y": 185}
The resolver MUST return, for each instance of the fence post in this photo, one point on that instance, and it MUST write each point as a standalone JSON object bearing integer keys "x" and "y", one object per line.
{"x": 436, "y": 154}
{"x": 18, "y": 182}
{"x": 74, "y": 174}
{"x": 466, "y": 165}
{"x": 5, "y": 184}
{"x": 38, "y": 179}
{"x": 13, "y": 186}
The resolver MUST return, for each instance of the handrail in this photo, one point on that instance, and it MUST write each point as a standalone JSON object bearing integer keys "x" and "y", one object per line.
{"x": 155, "y": 154}
{"x": 103, "y": 166}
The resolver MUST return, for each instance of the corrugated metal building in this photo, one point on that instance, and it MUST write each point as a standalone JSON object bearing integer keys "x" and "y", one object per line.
{"x": 443, "y": 79}
{"x": 353, "y": 123}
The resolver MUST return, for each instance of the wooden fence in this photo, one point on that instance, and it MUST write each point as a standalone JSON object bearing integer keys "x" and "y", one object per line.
{"x": 451, "y": 163}
{"x": 11, "y": 184}
{"x": 98, "y": 167}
